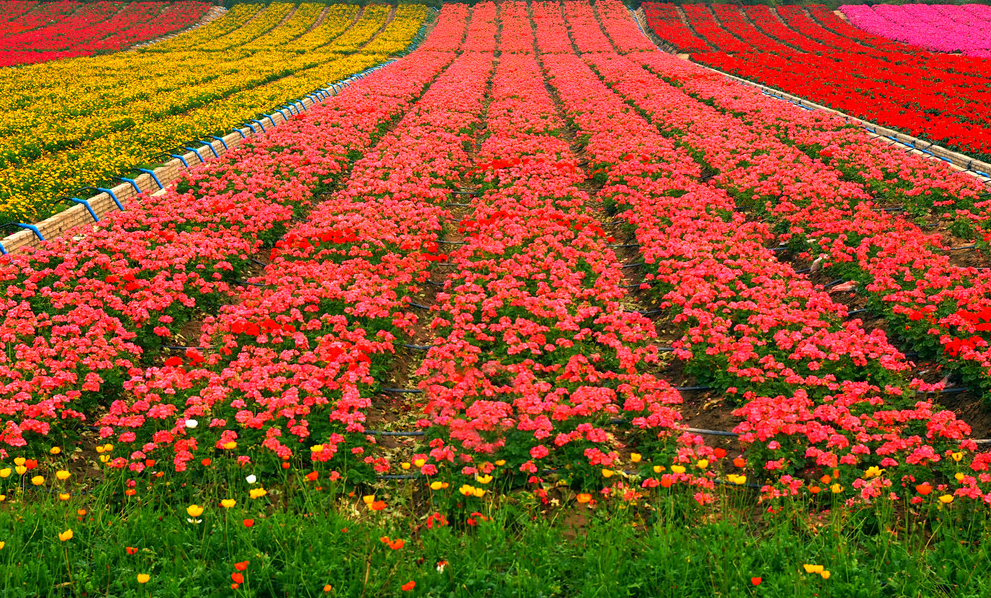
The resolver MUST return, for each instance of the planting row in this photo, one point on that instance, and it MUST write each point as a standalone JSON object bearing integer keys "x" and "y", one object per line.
{"x": 34, "y": 32}
{"x": 814, "y": 54}
{"x": 818, "y": 393}
{"x": 506, "y": 160}
{"x": 937, "y": 27}
{"x": 85, "y": 315}
{"x": 69, "y": 124}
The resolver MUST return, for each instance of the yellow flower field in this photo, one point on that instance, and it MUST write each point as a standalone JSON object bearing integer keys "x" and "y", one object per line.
{"x": 72, "y": 123}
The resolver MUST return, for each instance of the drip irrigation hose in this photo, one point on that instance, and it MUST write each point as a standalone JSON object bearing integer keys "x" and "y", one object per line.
{"x": 411, "y": 391}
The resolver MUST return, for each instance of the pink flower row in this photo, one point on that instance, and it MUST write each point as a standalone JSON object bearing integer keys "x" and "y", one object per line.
{"x": 294, "y": 364}
{"x": 90, "y": 27}
{"x": 844, "y": 400}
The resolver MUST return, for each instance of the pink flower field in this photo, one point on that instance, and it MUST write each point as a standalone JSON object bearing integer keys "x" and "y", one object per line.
{"x": 536, "y": 256}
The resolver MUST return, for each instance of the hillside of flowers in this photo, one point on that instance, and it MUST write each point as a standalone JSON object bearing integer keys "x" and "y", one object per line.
{"x": 937, "y": 27}
{"x": 68, "y": 124}
{"x": 33, "y": 32}
{"x": 811, "y": 52}
{"x": 536, "y": 309}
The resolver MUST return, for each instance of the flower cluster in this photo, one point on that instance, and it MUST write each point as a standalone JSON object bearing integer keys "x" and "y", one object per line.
{"x": 38, "y": 32}
{"x": 815, "y": 54}
{"x": 940, "y": 28}
{"x": 293, "y": 364}
{"x": 68, "y": 124}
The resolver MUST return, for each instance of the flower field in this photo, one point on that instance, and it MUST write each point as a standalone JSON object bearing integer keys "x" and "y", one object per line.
{"x": 812, "y": 53}
{"x": 37, "y": 32}
{"x": 939, "y": 28}
{"x": 535, "y": 283}
{"x": 69, "y": 124}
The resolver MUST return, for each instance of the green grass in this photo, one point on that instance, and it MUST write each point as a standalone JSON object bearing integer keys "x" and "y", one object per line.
{"x": 649, "y": 543}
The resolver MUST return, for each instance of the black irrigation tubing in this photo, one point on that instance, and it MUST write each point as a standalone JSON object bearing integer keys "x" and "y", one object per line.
{"x": 635, "y": 285}
{"x": 777, "y": 248}
{"x": 259, "y": 262}
{"x": 419, "y": 305}
{"x": 410, "y": 391}
{"x": 665, "y": 349}
{"x": 834, "y": 283}
{"x": 691, "y": 388}
{"x": 245, "y": 283}
{"x": 961, "y": 248}
{"x": 417, "y": 347}
{"x": 434, "y": 284}
{"x": 856, "y": 311}
{"x": 452, "y": 242}
{"x": 803, "y": 271}
{"x": 182, "y": 348}
{"x": 953, "y": 390}
{"x": 636, "y": 265}
{"x": 399, "y": 433}
{"x": 645, "y": 312}
{"x": 896, "y": 209}
{"x": 458, "y": 205}
{"x": 623, "y": 245}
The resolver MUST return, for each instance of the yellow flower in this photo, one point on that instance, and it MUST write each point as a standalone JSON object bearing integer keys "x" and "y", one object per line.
{"x": 231, "y": 445}
{"x": 836, "y": 488}
{"x": 478, "y": 492}
{"x": 813, "y": 568}
{"x": 483, "y": 479}
{"x": 257, "y": 492}
{"x": 5, "y": 472}
{"x": 62, "y": 475}
{"x": 420, "y": 462}
{"x": 959, "y": 476}
{"x": 63, "y": 496}
{"x": 104, "y": 458}
{"x": 607, "y": 473}
{"x": 659, "y": 468}
{"x": 501, "y": 462}
{"x": 19, "y": 461}
{"x": 405, "y": 465}
{"x": 368, "y": 499}
{"x": 583, "y": 498}
{"x": 737, "y": 479}
{"x": 872, "y": 472}
{"x": 21, "y": 470}
{"x": 37, "y": 480}
{"x": 703, "y": 463}
{"x": 316, "y": 448}
{"x": 437, "y": 485}
{"x": 228, "y": 503}
{"x": 54, "y": 450}
{"x": 946, "y": 499}
{"x": 635, "y": 457}
{"x": 2, "y": 544}
{"x": 825, "y": 574}
{"x": 194, "y": 510}
{"x": 65, "y": 536}
{"x": 143, "y": 577}
{"x": 957, "y": 456}
{"x": 678, "y": 468}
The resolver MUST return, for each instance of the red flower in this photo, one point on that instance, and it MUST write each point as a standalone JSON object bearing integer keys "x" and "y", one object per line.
{"x": 249, "y": 522}
{"x": 409, "y": 585}
{"x": 241, "y": 566}
{"x": 237, "y": 577}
